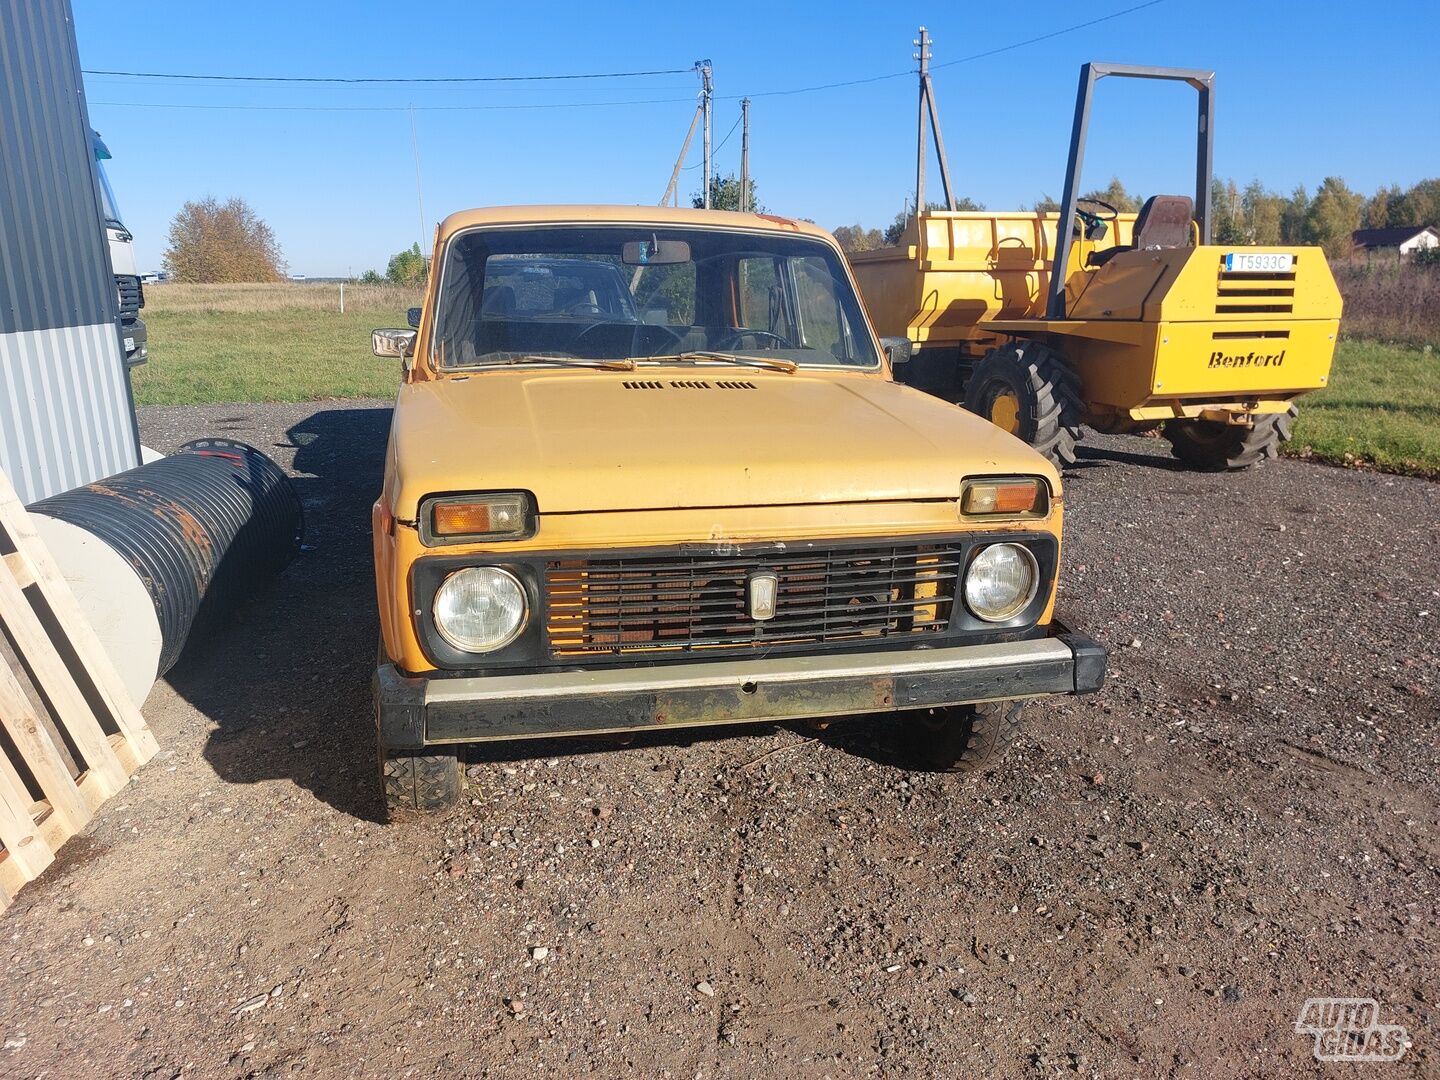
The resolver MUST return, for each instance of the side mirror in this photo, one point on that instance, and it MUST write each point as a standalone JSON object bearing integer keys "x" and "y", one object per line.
{"x": 897, "y": 349}
{"x": 412, "y": 316}
{"x": 397, "y": 343}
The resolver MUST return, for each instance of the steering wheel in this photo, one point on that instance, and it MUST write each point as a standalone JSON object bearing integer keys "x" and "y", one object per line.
{"x": 1108, "y": 212}
{"x": 733, "y": 338}
{"x": 1095, "y": 224}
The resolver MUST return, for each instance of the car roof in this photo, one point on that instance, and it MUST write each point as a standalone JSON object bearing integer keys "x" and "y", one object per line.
{"x": 597, "y": 214}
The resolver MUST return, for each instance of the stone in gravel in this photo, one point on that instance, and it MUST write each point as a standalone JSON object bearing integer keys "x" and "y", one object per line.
{"x": 1232, "y": 994}
{"x": 539, "y": 952}
{"x": 257, "y": 1002}
{"x": 705, "y": 988}
{"x": 515, "y": 1005}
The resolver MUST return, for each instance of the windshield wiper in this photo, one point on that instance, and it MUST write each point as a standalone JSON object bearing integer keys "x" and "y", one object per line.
{"x": 569, "y": 361}
{"x": 769, "y": 363}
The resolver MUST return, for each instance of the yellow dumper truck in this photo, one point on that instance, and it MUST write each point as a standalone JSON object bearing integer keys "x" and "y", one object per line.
{"x": 648, "y": 469}
{"x": 1147, "y": 325}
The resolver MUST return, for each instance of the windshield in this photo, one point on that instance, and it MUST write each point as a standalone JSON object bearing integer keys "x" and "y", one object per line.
{"x": 614, "y": 293}
{"x": 110, "y": 208}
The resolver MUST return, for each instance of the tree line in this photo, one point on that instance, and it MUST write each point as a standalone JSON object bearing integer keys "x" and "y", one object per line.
{"x": 214, "y": 241}
{"x": 1252, "y": 215}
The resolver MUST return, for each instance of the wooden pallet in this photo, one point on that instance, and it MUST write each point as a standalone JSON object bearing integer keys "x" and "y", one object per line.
{"x": 74, "y": 738}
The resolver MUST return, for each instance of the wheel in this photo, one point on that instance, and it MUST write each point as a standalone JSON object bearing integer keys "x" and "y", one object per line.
{"x": 1027, "y": 389}
{"x": 961, "y": 738}
{"x": 418, "y": 783}
{"x": 1208, "y": 444}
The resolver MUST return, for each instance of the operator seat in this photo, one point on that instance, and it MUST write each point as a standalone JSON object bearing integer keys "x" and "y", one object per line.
{"x": 1163, "y": 222}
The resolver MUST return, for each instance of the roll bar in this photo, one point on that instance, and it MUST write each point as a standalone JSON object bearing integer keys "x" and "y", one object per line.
{"x": 1090, "y": 74}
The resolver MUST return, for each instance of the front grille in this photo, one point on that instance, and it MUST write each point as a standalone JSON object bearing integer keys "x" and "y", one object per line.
{"x": 650, "y": 603}
{"x": 131, "y": 299}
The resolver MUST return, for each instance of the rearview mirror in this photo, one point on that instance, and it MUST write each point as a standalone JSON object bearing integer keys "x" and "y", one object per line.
{"x": 398, "y": 343}
{"x": 655, "y": 252}
{"x": 412, "y": 316}
{"x": 897, "y": 349}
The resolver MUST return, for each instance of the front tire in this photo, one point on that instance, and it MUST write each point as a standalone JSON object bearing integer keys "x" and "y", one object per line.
{"x": 1028, "y": 389}
{"x": 961, "y": 738}
{"x": 1217, "y": 447}
{"x": 416, "y": 784}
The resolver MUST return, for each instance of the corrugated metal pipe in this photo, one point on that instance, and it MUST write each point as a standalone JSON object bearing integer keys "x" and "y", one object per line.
{"x": 154, "y": 550}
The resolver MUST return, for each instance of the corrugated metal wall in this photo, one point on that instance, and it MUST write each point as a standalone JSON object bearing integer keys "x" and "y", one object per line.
{"x": 66, "y": 416}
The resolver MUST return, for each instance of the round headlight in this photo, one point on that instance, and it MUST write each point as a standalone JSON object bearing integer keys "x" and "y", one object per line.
{"x": 1001, "y": 582}
{"x": 480, "y": 608}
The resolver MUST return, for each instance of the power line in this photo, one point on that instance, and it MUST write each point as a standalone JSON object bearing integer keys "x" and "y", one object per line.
{"x": 389, "y": 108}
{"x": 543, "y": 78}
{"x": 951, "y": 63}
{"x": 1047, "y": 37}
{"x": 329, "y": 79}
{"x": 722, "y": 143}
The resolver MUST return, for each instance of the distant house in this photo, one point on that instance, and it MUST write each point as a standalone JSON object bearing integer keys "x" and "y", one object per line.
{"x": 1404, "y": 241}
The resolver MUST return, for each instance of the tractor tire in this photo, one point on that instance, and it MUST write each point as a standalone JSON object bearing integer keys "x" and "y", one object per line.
{"x": 1216, "y": 447}
{"x": 961, "y": 738}
{"x": 1028, "y": 389}
{"x": 416, "y": 784}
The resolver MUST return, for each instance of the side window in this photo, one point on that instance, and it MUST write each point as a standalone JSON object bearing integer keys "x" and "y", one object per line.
{"x": 821, "y": 319}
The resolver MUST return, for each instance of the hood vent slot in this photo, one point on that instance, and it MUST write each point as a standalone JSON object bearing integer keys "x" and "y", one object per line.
{"x": 688, "y": 384}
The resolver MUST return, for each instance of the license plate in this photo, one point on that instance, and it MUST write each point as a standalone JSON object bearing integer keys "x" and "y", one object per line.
{"x": 1264, "y": 262}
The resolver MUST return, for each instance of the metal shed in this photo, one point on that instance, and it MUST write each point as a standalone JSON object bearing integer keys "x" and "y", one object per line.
{"x": 66, "y": 413}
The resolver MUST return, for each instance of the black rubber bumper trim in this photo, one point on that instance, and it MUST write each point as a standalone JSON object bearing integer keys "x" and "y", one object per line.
{"x": 1091, "y": 659}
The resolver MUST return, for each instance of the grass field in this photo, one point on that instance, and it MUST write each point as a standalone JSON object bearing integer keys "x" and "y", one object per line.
{"x": 289, "y": 342}
{"x": 1382, "y": 409}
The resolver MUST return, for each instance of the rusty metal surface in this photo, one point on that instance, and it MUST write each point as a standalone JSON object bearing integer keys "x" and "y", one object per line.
{"x": 197, "y": 528}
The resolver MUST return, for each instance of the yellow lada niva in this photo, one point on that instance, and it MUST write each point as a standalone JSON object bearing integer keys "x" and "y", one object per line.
{"x": 648, "y": 469}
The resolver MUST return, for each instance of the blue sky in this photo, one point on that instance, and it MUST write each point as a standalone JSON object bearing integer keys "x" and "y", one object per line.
{"x": 1303, "y": 91}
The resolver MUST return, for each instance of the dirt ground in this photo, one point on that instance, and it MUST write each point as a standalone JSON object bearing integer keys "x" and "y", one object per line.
{"x": 1152, "y": 885}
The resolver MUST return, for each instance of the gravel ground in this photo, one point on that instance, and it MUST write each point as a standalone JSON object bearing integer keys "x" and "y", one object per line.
{"x": 1152, "y": 885}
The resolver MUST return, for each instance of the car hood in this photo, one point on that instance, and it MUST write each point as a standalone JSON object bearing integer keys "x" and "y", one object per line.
{"x": 666, "y": 438}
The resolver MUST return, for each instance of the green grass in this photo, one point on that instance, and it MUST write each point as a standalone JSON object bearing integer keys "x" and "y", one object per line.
{"x": 205, "y": 352}
{"x": 1382, "y": 410}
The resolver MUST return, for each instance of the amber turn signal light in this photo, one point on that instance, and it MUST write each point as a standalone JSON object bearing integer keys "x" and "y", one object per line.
{"x": 994, "y": 497}
{"x": 478, "y": 517}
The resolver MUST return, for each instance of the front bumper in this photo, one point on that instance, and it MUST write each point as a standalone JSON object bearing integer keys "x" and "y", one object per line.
{"x": 413, "y": 712}
{"x": 135, "y": 340}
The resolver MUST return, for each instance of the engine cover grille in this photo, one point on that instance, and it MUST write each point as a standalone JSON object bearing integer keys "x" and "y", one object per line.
{"x": 663, "y": 603}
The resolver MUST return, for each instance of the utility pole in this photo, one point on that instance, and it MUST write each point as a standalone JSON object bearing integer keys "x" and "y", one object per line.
{"x": 745, "y": 155}
{"x": 707, "y": 92}
{"x": 928, "y": 109}
{"x": 670, "y": 189}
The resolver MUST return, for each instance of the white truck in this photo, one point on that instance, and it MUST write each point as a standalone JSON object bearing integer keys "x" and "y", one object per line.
{"x": 122, "y": 259}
